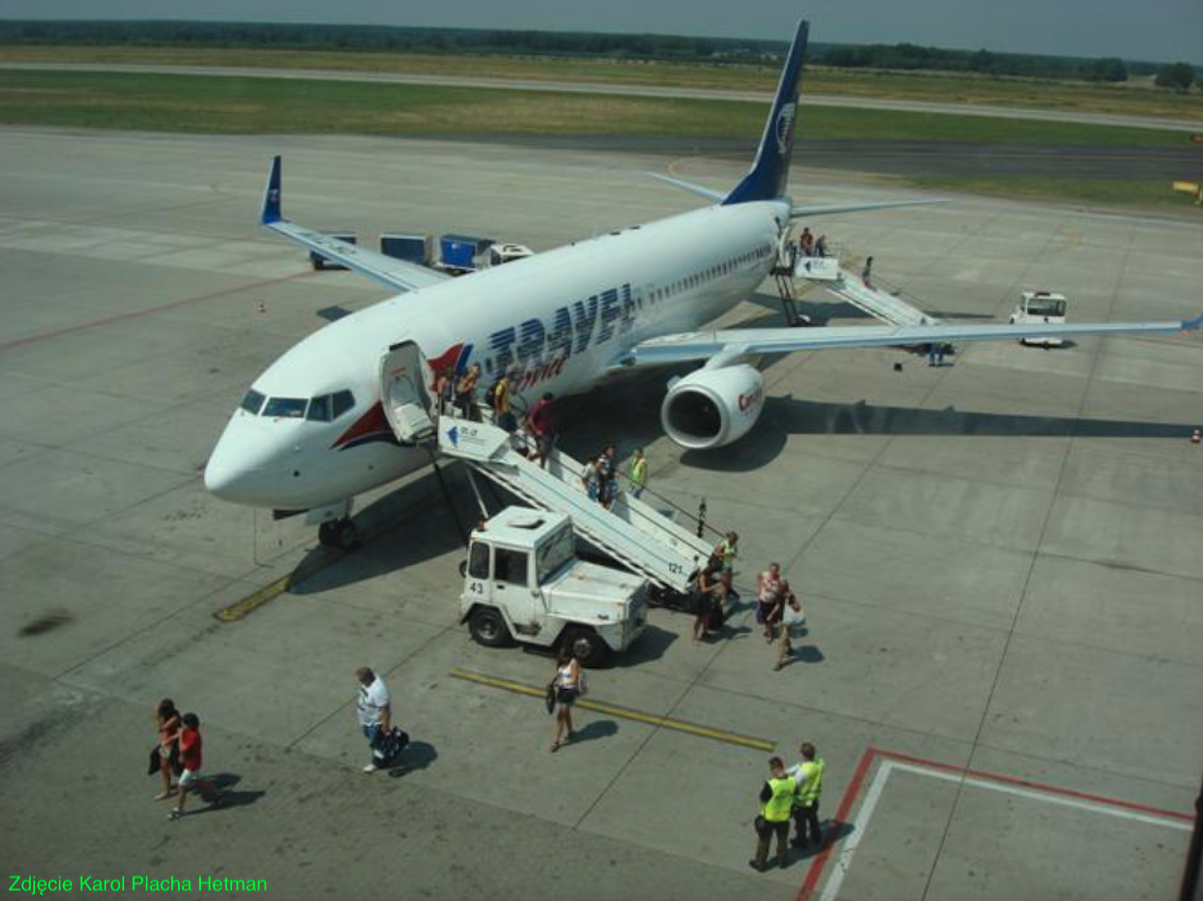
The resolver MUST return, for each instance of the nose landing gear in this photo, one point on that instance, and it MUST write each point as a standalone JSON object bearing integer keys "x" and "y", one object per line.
{"x": 338, "y": 533}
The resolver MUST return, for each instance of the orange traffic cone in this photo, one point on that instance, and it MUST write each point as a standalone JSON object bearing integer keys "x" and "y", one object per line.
{"x": 1195, "y": 439}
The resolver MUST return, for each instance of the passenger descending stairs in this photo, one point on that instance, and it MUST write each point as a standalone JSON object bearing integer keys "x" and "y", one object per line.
{"x": 881, "y": 304}
{"x": 633, "y": 533}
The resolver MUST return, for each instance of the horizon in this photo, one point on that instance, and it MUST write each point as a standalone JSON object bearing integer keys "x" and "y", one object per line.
{"x": 784, "y": 43}
{"x": 1159, "y": 31}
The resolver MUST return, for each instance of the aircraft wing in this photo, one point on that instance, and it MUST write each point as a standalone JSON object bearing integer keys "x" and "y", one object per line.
{"x": 399, "y": 275}
{"x": 802, "y": 212}
{"x": 716, "y": 196}
{"x": 796, "y": 212}
{"x": 694, "y": 346}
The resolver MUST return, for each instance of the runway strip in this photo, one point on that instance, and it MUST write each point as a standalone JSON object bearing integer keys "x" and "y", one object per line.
{"x": 626, "y": 713}
{"x": 624, "y": 90}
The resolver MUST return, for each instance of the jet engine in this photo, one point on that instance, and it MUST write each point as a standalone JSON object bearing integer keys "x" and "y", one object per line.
{"x": 713, "y": 407}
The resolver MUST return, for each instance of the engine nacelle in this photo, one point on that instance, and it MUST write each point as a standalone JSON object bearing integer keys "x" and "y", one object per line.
{"x": 713, "y": 407}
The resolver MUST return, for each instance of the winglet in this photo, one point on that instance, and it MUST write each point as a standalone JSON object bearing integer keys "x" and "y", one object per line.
{"x": 1192, "y": 325}
{"x": 271, "y": 197}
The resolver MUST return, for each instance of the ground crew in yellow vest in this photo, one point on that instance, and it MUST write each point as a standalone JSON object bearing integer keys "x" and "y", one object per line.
{"x": 809, "y": 778}
{"x": 637, "y": 473}
{"x": 776, "y": 801}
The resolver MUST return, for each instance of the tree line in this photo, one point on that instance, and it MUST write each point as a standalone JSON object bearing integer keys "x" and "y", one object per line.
{"x": 730, "y": 51}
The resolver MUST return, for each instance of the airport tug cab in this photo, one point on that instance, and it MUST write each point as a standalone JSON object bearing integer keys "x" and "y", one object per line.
{"x": 524, "y": 582}
{"x": 1038, "y": 307}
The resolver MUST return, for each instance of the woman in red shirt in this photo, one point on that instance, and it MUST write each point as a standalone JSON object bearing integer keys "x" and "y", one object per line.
{"x": 191, "y": 745}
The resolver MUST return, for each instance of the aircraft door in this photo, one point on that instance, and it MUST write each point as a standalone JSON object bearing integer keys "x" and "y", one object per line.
{"x": 404, "y": 393}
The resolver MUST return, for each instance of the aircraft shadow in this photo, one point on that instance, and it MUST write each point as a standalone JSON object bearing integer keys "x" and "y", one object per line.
{"x": 786, "y": 416}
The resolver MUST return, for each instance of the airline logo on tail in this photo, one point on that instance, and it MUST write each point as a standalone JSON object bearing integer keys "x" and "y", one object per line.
{"x": 785, "y": 127}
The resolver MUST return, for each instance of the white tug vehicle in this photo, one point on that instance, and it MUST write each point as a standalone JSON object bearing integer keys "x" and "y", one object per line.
{"x": 524, "y": 582}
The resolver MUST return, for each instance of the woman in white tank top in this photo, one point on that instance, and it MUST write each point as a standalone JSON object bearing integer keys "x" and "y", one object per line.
{"x": 567, "y": 683}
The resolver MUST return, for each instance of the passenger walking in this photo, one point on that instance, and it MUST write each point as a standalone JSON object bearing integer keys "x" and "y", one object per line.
{"x": 375, "y": 709}
{"x": 806, "y": 243}
{"x": 465, "y": 392}
{"x": 726, "y": 551}
{"x": 590, "y": 478}
{"x": 500, "y": 397}
{"x": 567, "y": 684}
{"x": 442, "y": 391}
{"x": 167, "y": 727}
{"x": 776, "y": 801}
{"x": 542, "y": 426}
{"x": 821, "y": 246}
{"x": 866, "y": 274}
{"x": 711, "y": 592}
{"x": 607, "y": 476}
{"x": 191, "y": 745}
{"x": 637, "y": 473}
{"x": 809, "y": 778}
{"x": 793, "y": 618}
{"x": 768, "y": 599}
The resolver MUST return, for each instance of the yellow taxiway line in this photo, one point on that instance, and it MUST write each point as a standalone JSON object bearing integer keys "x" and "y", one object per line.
{"x": 626, "y": 713}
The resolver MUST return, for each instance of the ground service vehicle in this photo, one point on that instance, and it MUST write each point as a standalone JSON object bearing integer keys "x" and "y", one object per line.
{"x": 1040, "y": 306}
{"x": 524, "y": 582}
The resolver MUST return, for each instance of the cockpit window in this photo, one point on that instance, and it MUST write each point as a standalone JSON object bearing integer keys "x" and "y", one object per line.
{"x": 319, "y": 409}
{"x": 286, "y": 407}
{"x": 253, "y": 402}
{"x": 343, "y": 401}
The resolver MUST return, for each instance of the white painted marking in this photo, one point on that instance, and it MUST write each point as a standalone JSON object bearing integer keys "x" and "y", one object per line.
{"x": 1091, "y": 806}
{"x": 839, "y": 870}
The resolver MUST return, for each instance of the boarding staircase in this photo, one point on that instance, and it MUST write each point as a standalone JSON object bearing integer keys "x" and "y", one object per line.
{"x": 875, "y": 297}
{"x": 632, "y": 532}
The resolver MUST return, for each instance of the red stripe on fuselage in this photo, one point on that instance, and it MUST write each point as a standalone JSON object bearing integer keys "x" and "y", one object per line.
{"x": 371, "y": 422}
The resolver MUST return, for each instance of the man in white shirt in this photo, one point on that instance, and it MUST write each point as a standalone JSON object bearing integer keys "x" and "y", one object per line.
{"x": 375, "y": 712}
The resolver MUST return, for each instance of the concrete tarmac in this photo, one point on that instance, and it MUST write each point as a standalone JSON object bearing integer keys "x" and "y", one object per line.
{"x": 998, "y": 557}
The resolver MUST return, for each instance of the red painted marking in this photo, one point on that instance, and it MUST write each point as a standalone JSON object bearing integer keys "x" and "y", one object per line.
{"x": 445, "y": 363}
{"x": 370, "y": 422}
{"x": 1041, "y": 787}
{"x": 815, "y": 872}
{"x": 120, "y": 317}
{"x": 841, "y": 816}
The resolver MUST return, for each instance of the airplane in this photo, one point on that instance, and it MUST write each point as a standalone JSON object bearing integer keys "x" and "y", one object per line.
{"x": 311, "y": 433}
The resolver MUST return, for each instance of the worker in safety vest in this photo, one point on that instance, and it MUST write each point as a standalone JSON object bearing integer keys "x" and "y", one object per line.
{"x": 637, "y": 473}
{"x": 725, "y": 552}
{"x": 776, "y": 800}
{"x": 809, "y": 778}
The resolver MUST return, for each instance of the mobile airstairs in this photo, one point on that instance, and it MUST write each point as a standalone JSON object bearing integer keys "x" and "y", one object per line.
{"x": 873, "y": 297}
{"x": 633, "y": 533}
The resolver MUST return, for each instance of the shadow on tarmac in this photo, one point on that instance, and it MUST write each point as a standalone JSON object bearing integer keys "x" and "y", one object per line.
{"x": 417, "y": 755}
{"x": 650, "y": 646}
{"x": 785, "y": 416}
{"x": 231, "y": 796}
{"x": 593, "y": 731}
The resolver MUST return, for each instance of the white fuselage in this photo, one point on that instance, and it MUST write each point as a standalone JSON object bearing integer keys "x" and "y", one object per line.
{"x": 561, "y": 319}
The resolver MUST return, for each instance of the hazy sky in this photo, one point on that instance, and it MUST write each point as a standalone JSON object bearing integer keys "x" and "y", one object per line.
{"x": 1135, "y": 29}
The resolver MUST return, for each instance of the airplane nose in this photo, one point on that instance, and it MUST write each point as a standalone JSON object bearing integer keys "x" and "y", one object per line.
{"x": 231, "y": 474}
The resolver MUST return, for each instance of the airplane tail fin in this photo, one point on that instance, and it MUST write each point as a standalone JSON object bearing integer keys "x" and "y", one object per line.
{"x": 768, "y": 176}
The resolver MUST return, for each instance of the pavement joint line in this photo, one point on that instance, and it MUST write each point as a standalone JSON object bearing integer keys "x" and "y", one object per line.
{"x": 651, "y": 719}
{"x": 1053, "y": 498}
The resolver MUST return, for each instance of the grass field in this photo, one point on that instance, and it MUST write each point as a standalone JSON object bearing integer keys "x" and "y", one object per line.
{"x": 1100, "y": 192}
{"x": 233, "y": 105}
{"x": 1136, "y": 100}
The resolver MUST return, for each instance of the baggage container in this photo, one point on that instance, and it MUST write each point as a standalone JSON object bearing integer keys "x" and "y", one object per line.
{"x": 411, "y": 248}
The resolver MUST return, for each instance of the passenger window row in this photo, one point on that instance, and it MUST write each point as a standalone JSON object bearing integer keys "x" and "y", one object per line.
{"x": 326, "y": 408}
{"x": 761, "y": 252}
